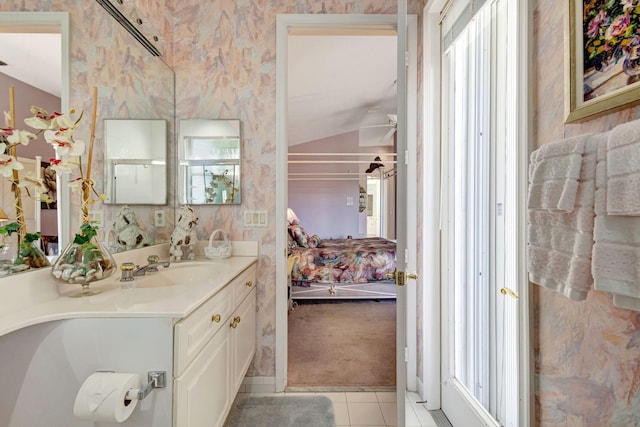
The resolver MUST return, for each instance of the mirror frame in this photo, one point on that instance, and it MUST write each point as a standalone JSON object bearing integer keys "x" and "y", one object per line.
{"x": 59, "y": 23}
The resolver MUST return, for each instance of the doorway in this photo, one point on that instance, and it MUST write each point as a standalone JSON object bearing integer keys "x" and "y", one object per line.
{"x": 285, "y": 22}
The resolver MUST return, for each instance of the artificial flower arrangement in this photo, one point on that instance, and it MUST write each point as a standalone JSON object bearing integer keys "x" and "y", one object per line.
{"x": 58, "y": 131}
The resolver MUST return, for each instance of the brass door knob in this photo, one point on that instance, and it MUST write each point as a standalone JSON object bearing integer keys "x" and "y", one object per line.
{"x": 234, "y": 324}
{"x": 216, "y": 318}
{"x": 392, "y": 274}
{"x": 236, "y": 319}
{"x": 249, "y": 284}
{"x": 413, "y": 276}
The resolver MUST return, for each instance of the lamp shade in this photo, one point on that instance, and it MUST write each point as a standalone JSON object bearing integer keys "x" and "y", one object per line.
{"x": 3, "y": 216}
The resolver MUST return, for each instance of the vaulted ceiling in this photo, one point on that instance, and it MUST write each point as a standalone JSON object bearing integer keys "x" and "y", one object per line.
{"x": 339, "y": 84}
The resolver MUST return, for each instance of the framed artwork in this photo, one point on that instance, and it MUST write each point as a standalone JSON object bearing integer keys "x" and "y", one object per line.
{"x": 603, "y": 60}
{"x": 49, "y": 180}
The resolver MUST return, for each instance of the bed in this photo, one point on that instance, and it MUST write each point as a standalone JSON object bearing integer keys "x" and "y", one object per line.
{"x": 340, "y": 268}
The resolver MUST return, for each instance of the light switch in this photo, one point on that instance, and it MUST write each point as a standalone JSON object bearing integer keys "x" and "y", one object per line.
{"x": 349, "y": 201}
{"x": 255, "y": 218}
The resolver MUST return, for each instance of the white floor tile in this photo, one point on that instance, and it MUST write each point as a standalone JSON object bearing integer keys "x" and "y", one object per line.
{"x": 342, "y": 414}
{"x": 365, "y": 414}
{"x": 386, "y": 396}
{"x": 363, "y": 396}
{"x": 336, "y": 397}
{"x": 410, "y": 417}
{"x": 389, "y": 413}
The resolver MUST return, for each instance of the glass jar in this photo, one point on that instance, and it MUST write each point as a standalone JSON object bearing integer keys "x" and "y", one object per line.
{"x": 83, "y": 263}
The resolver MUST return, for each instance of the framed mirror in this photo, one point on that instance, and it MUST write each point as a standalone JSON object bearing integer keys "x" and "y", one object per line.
{"x": 209, "y": 153}
{"x": 135, "y": 159}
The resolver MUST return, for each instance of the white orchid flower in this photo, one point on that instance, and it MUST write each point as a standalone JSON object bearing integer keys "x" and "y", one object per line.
{"x": 19, "y": 137}
{"x": 65, "y": 166}
{"x": 8, "y": 164}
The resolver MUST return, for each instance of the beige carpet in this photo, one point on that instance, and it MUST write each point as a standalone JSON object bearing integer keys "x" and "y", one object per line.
{"x": 351, "y": 343}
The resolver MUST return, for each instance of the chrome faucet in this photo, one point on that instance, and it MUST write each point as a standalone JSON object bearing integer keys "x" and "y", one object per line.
{"x": 154, "y": 263}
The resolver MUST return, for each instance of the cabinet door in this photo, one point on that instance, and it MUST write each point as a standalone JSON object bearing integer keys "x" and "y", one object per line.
{"x": 244, "y": 339}
{"x": 202, "y": 395}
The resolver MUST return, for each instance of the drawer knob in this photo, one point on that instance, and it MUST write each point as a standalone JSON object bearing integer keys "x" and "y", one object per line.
{"x": 234, "y": 324}
{"x": 249, "y": 284}
{"x": 216, "y": 318}
{"x": 236, "y": 319}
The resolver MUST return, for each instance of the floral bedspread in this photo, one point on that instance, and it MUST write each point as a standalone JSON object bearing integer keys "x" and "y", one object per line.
{"x": 344, "y": 261}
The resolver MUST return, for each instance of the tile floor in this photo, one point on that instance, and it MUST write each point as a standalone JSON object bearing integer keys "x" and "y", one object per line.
{"x": 368, "y": 409}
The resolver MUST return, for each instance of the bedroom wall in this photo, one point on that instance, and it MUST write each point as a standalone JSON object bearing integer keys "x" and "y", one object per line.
{"x": 587, "y": 354}
{"x": 321, "y": 205}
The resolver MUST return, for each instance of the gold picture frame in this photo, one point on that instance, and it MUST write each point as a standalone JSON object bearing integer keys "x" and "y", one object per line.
{"x": 606, "y": 50}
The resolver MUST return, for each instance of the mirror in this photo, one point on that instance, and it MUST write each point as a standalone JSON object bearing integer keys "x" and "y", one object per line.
{"x": 135, "y": 161}
{"x": 209, "y": 156}
{"x": 131, "y": 82}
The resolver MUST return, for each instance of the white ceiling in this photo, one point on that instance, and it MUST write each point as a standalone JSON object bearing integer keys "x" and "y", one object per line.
{"x": 34, "y": 59}
{"x": 338, "y": 83}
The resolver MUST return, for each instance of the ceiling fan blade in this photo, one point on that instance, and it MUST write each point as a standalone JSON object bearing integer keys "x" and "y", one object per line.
{"x": 388, "y": 135}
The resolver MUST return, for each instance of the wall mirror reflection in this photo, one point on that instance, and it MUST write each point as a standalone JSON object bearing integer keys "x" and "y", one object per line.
{"x": 135, "y": 161}
{"x": 209, "y": 156}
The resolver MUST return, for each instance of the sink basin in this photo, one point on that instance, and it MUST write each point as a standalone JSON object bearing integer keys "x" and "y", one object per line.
{"x": 175, "y": 274}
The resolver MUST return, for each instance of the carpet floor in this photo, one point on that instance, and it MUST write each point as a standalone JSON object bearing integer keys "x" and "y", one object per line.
{"x": 342, "y": 344}
{"x": 282, "y": 411}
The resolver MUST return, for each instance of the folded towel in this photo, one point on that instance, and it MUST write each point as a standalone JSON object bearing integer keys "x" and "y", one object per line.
{"x": 626, "y": 302}
{"x": 554, "y": 170}
{"x": 616, "y": 249}
{"x": 623, "y": 169}
{"x": 560, "y": 243}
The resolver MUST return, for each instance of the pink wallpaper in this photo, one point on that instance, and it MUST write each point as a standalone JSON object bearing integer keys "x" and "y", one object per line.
{"x": 131, "y": 84}
{"x": 587, "y": 354}
{"x": 225, "y": 62}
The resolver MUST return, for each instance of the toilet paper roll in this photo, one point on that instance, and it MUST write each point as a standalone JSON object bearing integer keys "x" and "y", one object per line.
{"x": 102, "y": 397}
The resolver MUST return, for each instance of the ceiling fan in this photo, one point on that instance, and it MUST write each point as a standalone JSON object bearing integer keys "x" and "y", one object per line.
{"x": 382, "y": 134}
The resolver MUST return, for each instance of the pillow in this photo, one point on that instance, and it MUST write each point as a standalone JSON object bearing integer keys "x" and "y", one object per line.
{"x": 291, "y": 216}
{"x": 313, "y": 241}
{"x": 298, "y": 233}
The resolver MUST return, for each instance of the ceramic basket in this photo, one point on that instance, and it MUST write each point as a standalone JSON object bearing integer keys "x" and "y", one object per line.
{"x": 219, "y": 245}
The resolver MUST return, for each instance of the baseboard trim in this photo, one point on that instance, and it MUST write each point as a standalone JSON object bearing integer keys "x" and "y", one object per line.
{"x": 258, "y": 385}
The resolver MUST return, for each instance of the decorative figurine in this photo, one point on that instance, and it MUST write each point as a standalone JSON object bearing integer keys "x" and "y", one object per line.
{"x": 184, "y": 236}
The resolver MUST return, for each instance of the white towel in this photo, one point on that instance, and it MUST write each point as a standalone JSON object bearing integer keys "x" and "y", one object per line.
{"x": 623, "y": 169}
{"x": 616, "y": 249}
{"x": 560, "y": 243}
{"x": 554, "y": 170}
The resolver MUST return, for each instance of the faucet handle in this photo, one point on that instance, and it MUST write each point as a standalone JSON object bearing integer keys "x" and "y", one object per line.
{"x": 153, "y": 259}
{"x": 127, "y": 271}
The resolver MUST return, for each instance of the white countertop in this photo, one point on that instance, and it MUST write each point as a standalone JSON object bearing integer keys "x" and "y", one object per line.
{"x": 35, "y": 297}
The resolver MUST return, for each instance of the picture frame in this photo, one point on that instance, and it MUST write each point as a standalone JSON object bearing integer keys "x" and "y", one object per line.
{"x": 602, "y": 53}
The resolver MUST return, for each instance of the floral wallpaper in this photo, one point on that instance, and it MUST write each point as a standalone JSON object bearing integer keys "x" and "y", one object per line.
{"x": 131, "y": 84}
{"x": 586, "y": 354}
{"x": 225, "y": 61}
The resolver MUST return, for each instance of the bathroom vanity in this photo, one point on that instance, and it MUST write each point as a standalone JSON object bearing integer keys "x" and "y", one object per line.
{"x": 194, "y": 320}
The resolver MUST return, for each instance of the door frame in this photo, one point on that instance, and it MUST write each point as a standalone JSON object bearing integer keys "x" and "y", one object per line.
{"x": 431, "y": 300}
{"x": 284, "y": 23}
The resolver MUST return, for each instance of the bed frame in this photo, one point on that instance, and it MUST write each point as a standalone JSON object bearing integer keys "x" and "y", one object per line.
{"x": 377, "y": 290}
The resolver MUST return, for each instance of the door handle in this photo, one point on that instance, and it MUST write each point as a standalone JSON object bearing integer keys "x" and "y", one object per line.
{"x": 392, "y": 274}
{"x": 413, "y": 276}
{"x": 513, "y": 294}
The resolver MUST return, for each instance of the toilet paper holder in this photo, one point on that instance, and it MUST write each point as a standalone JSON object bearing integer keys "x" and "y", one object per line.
{"x": 157, "y": 379}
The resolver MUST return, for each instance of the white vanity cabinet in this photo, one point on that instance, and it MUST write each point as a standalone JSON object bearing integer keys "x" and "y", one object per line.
{"x": 213, "y": 348}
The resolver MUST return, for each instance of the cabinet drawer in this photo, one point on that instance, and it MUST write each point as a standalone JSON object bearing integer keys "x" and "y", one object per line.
{"x": 243, "y": 284}
{"x": 193, "y": 332}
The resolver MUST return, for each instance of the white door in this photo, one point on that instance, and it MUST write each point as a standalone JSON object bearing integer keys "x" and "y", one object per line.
{"x": 480, "y": 211}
